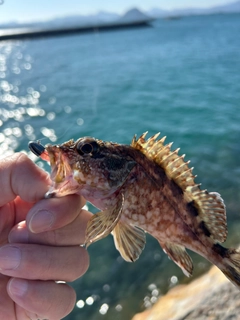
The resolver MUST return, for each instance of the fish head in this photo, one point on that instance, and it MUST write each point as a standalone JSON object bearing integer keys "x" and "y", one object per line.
{"x": 88, "y": 166}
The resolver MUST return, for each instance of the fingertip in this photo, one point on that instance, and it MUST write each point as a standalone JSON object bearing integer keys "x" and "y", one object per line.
{"x": 19, "y": 233}
{"x": 54, "y": 213}
{"x": 41, "y": 221}
{"x": 83, "y": 264}
{"x": 17, "y": 288}
{"x": 42, "y": 299}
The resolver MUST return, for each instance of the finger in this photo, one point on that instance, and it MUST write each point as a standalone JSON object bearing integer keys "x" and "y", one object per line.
{"x": 20, "y": 176}
{"x": 41, "y": 300}
{"x": 40, "y": 262}
{"x": 54, "y": 213}
{"x": 6, "y": 305}
{"x": 11, "y": 214}
{"x": 71, "y": 234}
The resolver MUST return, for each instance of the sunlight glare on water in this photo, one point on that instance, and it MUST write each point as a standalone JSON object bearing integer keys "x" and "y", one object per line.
{"x": 180, "y": 77}
{"x": 22, "y": 106}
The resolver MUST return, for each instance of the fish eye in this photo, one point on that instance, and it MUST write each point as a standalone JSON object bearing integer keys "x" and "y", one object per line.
{"x": 85, "y": 147}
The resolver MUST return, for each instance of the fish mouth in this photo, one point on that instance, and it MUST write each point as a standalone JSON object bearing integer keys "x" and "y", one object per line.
{"x": 57, "y": 190}
{"x": 63, "y": 182}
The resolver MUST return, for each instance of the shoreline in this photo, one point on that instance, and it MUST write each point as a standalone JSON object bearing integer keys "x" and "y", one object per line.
{"x": 27, "y": 33}
{"x": 211, "y": 296}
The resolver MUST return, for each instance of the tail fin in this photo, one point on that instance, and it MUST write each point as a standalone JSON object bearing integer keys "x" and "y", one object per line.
{"x": 231, "y": 266}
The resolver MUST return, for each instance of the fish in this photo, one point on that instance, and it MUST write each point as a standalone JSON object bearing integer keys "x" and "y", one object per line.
{"x": 144, "y": 187}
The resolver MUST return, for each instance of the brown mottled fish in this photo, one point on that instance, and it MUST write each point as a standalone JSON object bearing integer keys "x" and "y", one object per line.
{"x": 144, "y": 187}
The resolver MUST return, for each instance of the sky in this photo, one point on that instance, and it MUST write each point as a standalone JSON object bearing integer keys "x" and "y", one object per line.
{"x": 36, "y": 10}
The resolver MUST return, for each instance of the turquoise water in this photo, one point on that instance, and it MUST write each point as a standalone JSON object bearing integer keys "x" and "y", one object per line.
{"x": 180, "y": 77}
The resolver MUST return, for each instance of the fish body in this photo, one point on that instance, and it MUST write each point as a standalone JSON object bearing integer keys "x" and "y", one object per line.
{"x": 144, "y": 187}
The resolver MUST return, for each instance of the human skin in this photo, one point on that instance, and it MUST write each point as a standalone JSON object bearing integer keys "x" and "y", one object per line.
{"x": 39, "y": 244}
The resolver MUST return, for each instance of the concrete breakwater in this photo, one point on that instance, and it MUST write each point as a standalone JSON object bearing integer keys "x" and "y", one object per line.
{"x": 28, "y": 33}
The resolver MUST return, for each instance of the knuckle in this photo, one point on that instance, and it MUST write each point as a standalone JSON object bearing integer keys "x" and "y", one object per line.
{"x": 23, "y": 177}
{"x": 53, "y": 237}
{"x": 21, "y": 158}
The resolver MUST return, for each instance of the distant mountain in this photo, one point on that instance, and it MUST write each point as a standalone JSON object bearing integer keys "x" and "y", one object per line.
{"x": 157, "y": 12}
{"x": 108, "y": 16}
{"x": 134, "y": 15}
{"x": 233, "y": 7}
{"x": 99, "y": 17}
{"x": 130, "y": 16}
{"x": 69, "y": 21}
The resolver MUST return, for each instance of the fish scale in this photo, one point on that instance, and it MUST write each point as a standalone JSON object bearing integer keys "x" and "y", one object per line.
{"x": 139, "y": 188}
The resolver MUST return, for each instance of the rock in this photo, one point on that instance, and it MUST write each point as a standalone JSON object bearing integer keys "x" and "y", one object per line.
{"x": 210, "y": 297}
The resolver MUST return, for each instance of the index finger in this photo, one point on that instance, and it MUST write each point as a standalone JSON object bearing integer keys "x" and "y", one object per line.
{"x": 20, "y": 176}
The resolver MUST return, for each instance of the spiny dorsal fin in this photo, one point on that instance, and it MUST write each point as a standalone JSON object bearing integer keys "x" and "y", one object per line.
{"x": 173, "y": 164}
{"x": 210, "y": 206}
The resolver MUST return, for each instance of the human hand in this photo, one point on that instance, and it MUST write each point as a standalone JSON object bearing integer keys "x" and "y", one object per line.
{"x": 39, "y": 244}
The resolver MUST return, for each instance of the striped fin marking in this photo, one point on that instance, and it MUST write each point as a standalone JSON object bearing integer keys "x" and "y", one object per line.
{"x": 210, "y": 206}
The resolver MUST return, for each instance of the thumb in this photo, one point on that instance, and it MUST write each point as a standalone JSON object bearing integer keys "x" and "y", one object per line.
{"x": 20, "y": 176}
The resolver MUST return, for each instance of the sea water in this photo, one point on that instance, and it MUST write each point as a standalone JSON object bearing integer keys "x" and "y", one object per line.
{"x": 180, "y": 77}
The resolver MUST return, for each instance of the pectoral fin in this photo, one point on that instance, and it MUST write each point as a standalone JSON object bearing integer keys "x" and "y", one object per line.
{"x": 129, "y": 241}
{"x": 179, "y": 255}
{"x": 102, "y": 223}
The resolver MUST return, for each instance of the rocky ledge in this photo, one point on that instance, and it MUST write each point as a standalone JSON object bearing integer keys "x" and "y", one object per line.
{"x": 210, "y": 297}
